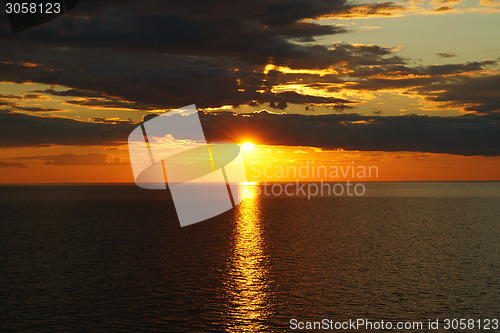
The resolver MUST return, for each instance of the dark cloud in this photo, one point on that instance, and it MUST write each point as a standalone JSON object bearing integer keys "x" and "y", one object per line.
{"x": 279, "y": 105}
{"x": 15, "y": 106}
{"x": 165, "y": 54}
{"x": 10, "y": 97}
{"x": 370, "y": 9}
{"x": 22, "y": 97}
{"x": 465, "y": 135}
{"x": 153, "y": 79}
{"x": 392, "y": 71}
{"x": 13, "y": 165}
{"x": 168, "y": 54}
{"x": 149, "y": 116}
{"x": 35, "y": 109}
{"x": 478, "y": 94}
{"x": 446, "y": 54}
{"x": 456, "y": 68}
{"x": 110, "y": 103}
{"x": 341, "y": 107}
{"x": 444, "y": 9}
{"x": 293, "y": 97}
{"x": 20, "y": 130}
{"x": 33, "y": 97}
{"x": 250, "y": 30}
{"x": 71, "y": 93}
{"x": 452, "y": 85}
{"x": 89, "y": 159}
{"x": 165, "y": 81}
{"x": 111, "y": 121}
{"x": 4, "y": 103}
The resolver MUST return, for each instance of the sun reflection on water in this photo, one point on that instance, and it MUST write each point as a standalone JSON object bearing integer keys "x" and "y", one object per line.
{"x": 247, "y": 283}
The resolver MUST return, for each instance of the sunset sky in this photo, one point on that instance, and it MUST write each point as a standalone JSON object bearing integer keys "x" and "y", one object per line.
{"x": 412, "y": 87}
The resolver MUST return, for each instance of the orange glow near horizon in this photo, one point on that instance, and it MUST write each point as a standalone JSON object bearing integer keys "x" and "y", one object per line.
{"x": 263, "y": 163}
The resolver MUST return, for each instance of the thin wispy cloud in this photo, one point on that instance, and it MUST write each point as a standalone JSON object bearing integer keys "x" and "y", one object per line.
{"x": 446, "y": 54}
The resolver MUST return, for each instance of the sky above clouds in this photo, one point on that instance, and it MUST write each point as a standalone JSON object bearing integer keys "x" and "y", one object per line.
{"x": 409, "y": 76}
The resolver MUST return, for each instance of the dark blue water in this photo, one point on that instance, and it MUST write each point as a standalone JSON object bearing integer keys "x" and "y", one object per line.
{"x": 99, "y": 259}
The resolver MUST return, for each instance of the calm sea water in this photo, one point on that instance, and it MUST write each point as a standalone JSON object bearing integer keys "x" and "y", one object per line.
{"x": 113, "y": 258}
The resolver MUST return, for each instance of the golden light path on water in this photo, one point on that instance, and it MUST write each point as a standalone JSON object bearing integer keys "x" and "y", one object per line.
{"x": 247, "y": 282}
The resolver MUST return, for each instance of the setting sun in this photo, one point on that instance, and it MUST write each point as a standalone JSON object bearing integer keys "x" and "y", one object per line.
{"x": 248, "y": 146}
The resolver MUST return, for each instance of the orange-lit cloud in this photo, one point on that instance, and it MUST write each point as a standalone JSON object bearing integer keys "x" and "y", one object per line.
{"x": 368, "y": 10}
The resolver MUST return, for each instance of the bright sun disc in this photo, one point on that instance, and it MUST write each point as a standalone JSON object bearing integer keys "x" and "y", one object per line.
{"x": 248, "y": 146}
